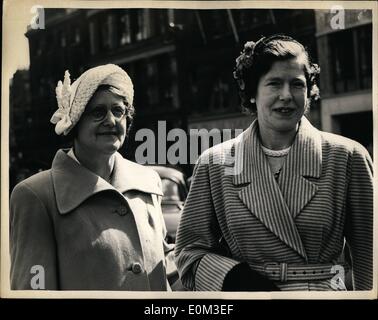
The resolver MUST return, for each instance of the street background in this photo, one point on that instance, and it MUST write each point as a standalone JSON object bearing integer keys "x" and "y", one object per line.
{"x": 181, "y": 63}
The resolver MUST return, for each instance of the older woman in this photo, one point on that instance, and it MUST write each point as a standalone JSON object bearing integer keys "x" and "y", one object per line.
{"x": 280, "y": 220}
{"x": 93, "y": 221}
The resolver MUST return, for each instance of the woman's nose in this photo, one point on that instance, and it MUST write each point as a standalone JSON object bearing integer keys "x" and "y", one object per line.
{"x": 109, "y": 119}
{"x": 285, "y": 94}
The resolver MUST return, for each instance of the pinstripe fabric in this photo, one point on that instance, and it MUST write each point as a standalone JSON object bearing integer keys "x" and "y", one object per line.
{"x": 323, "y": 195}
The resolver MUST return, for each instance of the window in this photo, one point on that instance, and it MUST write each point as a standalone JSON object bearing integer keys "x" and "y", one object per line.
{"x": 41, "y": 87}
{"x": 153, "y": 83}
{"x": 168, "y": 93}
{"x": 142, "y": 24}
{"x": 105, "y": 32}
{"x": 364, "y": 40}
{"x": 350, "y": 126}
{"x": 50, "y": 40}
{"x": 40, "y": 46}
{"x": 216, "y": 23}
{"x": 248, "y": 19}
{"x": 62, "y": 38}
{"x": 351, "y": 59}
{"x": 124, "y": 29}
{"x": 156, "y": 87}
{"x": 77, "y": 36}
{"x": 212, "y": 89}
{"x": 219, "y": 98}
{"x": 93, "y": 37}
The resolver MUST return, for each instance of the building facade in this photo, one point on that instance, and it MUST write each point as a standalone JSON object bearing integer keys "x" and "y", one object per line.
{"x": 181, "y": 63}
{"x": 20, "y": 125}
{"x": 139, "y": 40}
{"x": 345, "y": 56}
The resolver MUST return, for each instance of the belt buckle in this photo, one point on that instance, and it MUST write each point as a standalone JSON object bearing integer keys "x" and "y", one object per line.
{"x": 282, "y": 270}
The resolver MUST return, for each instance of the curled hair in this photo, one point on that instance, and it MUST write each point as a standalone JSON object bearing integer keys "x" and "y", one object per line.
{"x": 257, "y": 58}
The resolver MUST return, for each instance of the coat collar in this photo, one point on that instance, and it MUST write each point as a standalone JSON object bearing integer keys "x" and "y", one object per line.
{"x": 277, "y": 203}
{"x": 73, "y": 183}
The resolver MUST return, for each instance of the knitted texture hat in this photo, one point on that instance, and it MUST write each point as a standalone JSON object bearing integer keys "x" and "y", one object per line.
{"x": 72, "y": 99}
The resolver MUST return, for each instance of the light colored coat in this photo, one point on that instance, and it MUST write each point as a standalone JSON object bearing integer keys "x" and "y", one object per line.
{"x": 323, "y": 195}
{"x": 88, "y": 234}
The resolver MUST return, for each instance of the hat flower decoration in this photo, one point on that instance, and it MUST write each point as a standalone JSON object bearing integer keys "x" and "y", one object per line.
{"x": 73, "y": 98}
{"x": 61, "y": 117}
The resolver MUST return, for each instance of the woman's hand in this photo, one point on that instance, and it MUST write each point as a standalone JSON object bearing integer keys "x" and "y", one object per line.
{"x": 243, "y": 278}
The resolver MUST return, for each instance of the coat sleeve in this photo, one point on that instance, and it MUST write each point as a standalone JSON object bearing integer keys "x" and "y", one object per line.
{"x": 201, "y": 259}
{"x": 32, "y": 242}
{"x": 171, "y": 269}
{"x": 359, "y": 223}
{"x": 173, "y": 280}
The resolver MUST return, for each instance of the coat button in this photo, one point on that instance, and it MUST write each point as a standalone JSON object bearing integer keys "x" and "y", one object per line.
{"x": 136, "y": 267}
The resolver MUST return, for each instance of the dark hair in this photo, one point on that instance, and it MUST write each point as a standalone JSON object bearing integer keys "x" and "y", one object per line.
{"x": 130, "y": 111}
{"x": 258, "y": 57}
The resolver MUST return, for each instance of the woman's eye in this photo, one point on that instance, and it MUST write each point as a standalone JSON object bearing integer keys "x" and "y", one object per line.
{"x": 273, "y": 83}
{"x": 98, "y": 112}
{"x": 299, "y": 84}
{"x": 118, "y": 111}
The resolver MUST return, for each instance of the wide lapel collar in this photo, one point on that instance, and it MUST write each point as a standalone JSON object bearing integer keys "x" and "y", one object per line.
{"x": 132, "y": 176}
{"x": 303, "y": 161}
{"x": 73, "y": 183}
{"x": 261, "y": 193}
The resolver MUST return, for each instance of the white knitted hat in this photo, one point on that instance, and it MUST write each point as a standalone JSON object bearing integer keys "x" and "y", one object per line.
{"x": 72, "y": 99}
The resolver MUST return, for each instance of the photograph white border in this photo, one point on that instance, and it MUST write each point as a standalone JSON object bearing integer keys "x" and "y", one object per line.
{"x": 10, "y": 47}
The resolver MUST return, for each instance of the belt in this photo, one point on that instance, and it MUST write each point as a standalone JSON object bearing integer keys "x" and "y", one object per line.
{"x": 284, "y": 272}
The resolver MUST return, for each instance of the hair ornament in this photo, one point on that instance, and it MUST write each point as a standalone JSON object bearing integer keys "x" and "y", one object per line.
{"x": 245, "y": 60}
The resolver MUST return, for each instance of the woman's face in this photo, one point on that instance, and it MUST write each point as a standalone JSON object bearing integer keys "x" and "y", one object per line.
{"x": 281, "y": 97}
{"x": 102, "y": 127}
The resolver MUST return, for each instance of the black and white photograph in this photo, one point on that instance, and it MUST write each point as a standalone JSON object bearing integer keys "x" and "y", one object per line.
{"x": 236, "y": 160}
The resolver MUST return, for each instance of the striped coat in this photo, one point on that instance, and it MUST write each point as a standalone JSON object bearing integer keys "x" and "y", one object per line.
{"x": 323, "y": 195}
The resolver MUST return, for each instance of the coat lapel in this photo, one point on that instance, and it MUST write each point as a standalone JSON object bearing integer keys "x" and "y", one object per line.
{"x": 134, "y": 177}
{"x": 73, "y": 183}
{"x": 276, "y": 204}
{"x": 303, "y": 161}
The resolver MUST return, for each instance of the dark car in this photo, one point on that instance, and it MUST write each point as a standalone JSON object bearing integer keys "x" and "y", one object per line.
{"x": 175, "y": 190}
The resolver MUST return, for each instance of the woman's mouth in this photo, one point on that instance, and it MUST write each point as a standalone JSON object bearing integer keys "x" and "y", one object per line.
{"x": 284, "y": 110}
{"x": 108, "y": 133}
